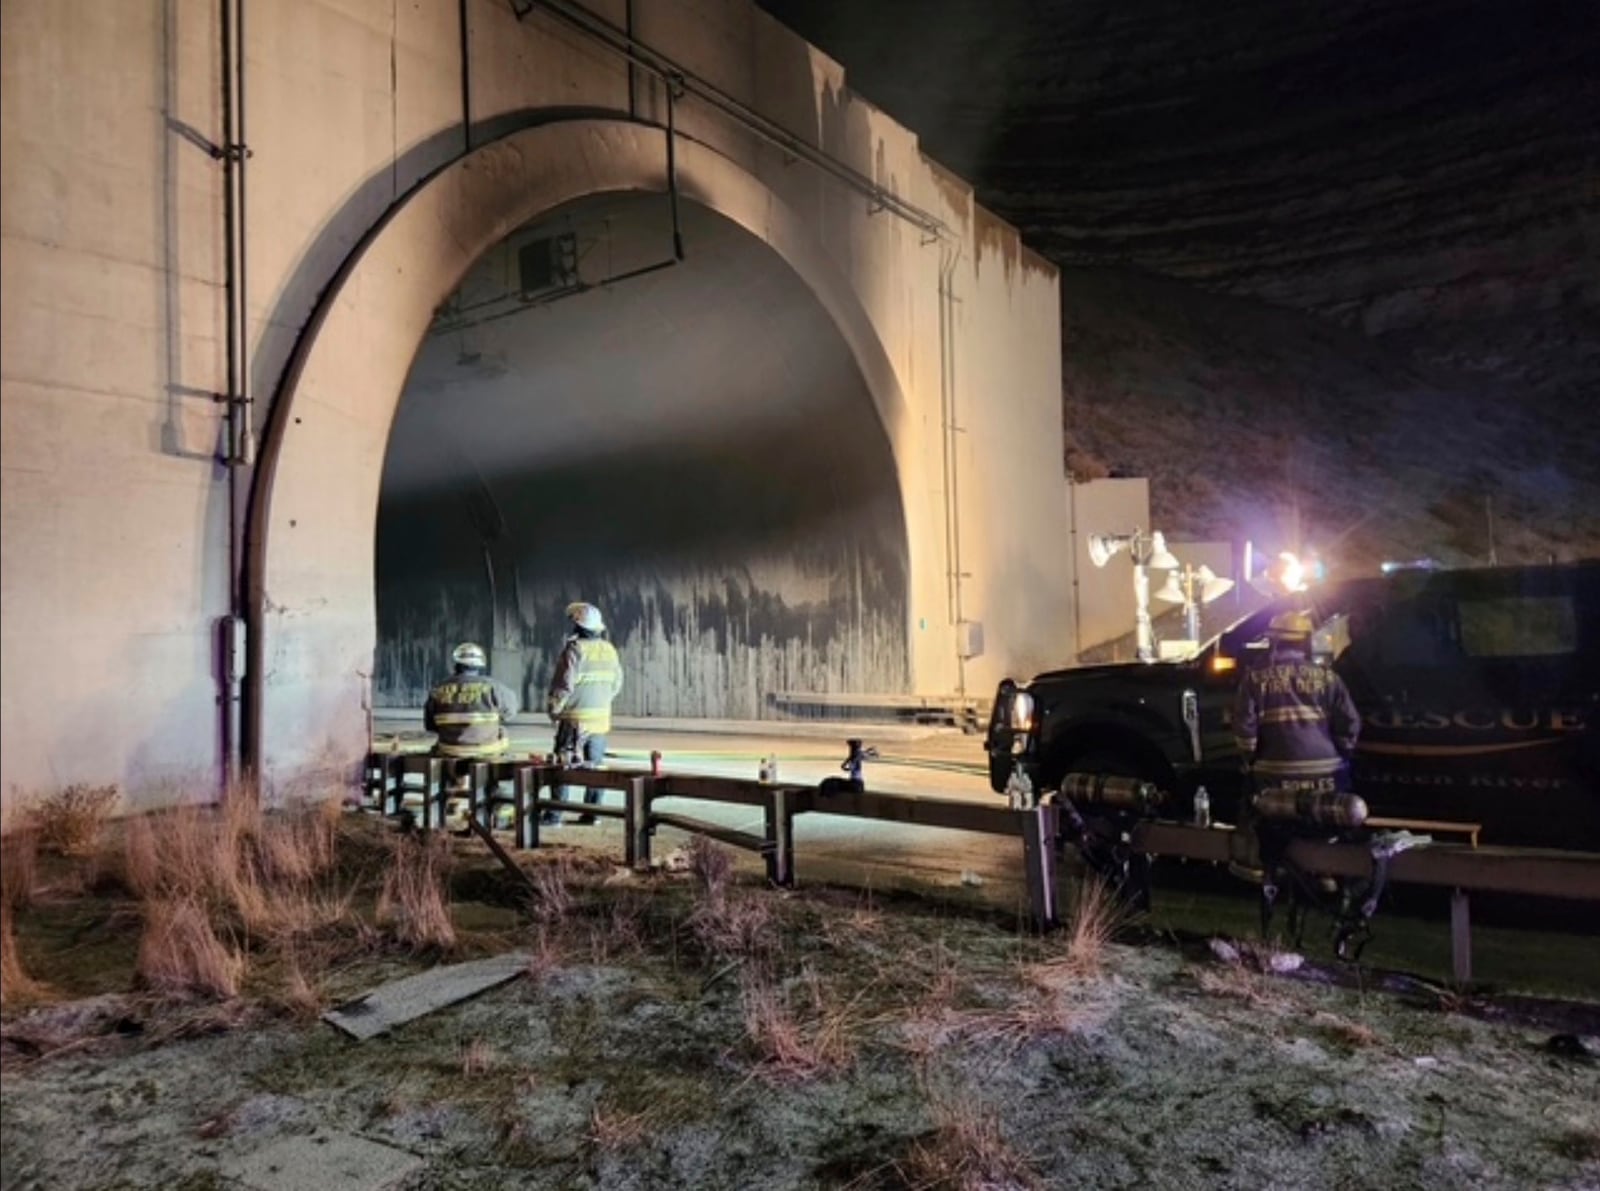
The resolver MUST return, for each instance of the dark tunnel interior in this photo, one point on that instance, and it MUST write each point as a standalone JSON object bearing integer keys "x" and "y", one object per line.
{"x": 688, "y": 445}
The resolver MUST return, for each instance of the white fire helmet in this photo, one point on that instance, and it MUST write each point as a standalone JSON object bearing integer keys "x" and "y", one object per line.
{"x": 471, "y": 654}
{"x": 587, "y": 617}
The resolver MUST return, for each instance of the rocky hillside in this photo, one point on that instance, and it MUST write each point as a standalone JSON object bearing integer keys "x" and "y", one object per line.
{"x": 1399, "y": 201}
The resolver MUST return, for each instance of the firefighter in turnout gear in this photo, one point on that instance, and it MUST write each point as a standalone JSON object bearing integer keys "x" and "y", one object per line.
{"x": 1293, "y": 720}
{"x": 586, "y": 681}
{"x": 468, "y": 711}
{"x": 1295, "y": 725}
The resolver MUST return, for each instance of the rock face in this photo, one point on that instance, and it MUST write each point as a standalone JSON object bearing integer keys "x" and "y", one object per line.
{"x": 1424, "y": 174}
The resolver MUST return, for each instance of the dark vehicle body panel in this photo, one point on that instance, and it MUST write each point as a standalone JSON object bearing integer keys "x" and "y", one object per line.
{"x": 1479, "y": 693}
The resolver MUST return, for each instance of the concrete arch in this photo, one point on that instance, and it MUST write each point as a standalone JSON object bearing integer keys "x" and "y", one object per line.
{"x": 312, "y": 527}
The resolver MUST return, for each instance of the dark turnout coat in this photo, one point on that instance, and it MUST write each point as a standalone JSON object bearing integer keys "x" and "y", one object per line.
{"x": 1294, "y": 718}
{"x": 468, "y": 712}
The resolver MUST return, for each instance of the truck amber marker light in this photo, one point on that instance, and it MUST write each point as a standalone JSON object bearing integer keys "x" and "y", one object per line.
{"x": 1222, "y": 665}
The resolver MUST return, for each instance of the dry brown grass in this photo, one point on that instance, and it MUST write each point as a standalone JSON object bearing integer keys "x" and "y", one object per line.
{"x": 734, "y": 926}
{"x": 553, "y": 882}
{"x": 544, "y": 956}
{"x": 302, "y": 995}
{"x": 967, "y": 1152}
{"x": 478, "y": 1058}
{"x": 798, "y": 1033}
{"x": 19, "y": 865}
{"x": 72, "y": 820}
{"x": 1353, "y": 1034}
{"x": 16, "y": 985}
{"x": 181, "y": 953}
{"x": 1237, "y": 984}
{"x": 711, "y": 866}
{"x": 1097, "y": 916}
{"x": 415, "y": 899}
{"x": 612, "y": 1128}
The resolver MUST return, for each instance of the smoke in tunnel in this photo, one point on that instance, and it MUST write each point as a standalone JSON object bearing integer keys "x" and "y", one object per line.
{"x": 691, "y": 448}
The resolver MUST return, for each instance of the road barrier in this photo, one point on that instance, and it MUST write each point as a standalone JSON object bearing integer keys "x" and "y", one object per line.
{"x": 1461, "y": 868}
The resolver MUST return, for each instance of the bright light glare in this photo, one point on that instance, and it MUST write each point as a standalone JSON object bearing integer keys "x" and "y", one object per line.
{"x": 1022, "y": 712}
{"x": 1291, "y": 572}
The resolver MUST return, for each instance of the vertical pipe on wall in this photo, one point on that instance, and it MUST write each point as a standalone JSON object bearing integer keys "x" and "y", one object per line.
{"x": 239, "y": 453}
{"x": 949, "y": 429}
{"x": 672, "y": 167}
{"x": 466, "y": 78}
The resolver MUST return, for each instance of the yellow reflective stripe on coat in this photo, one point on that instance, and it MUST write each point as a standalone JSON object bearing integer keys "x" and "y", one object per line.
{"x": 1293, "y": 715}
{"x": 1317, "y": 768}
{"x": 488, "y": 749}
{"x": 466, "y": 717}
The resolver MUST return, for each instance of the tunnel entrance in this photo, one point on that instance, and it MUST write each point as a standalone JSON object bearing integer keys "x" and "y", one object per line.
{"x": 688, "y": 444}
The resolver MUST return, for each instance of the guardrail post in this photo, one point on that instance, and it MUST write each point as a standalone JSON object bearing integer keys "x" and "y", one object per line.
{"x": 780, "y": 838}
{"x": 523, "y": 792}
{"x": 636, "y": 844}
{"x": 1461, "y": 937}
{"x": 1039, "y": 857}
{"x": 433, "y": 789}
{"x": 478, "y": 797}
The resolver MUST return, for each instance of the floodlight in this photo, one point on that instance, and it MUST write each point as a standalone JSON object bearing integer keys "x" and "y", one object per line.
{"x": 1172, "y": 590}
{"x": 1212, "y": 585}
{"x": 1103, "y": 547}
{"x": 1160, "y": 557}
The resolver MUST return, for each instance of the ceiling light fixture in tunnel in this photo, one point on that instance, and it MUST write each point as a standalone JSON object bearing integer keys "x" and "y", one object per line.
{"x": 548, "y": 269}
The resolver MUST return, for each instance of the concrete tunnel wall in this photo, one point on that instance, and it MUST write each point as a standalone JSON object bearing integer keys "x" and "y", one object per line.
{"x": 692, "y": 448}
{"x": 116, "y": 515}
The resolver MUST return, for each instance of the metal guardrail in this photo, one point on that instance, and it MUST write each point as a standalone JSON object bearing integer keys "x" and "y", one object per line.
{"x": 387, "y": 777}
{"x": 1461, "y": 868}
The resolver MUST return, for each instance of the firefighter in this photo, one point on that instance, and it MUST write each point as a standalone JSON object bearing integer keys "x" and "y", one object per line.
{"x": 468, "y": 711}
{"x": 1293, "y": 719}
{"x": 586, "y": 681}
{"x": 1295, "y": 725}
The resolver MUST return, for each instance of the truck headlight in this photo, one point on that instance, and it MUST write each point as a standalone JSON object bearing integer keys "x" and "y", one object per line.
{"x": 1021, "y": 718}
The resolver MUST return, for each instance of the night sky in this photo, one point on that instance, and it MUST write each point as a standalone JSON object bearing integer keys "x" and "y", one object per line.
{"x": 1421, "y": 178}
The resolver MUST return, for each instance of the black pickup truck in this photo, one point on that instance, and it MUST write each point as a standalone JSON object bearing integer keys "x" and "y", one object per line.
{"x": 1479, "y": 693}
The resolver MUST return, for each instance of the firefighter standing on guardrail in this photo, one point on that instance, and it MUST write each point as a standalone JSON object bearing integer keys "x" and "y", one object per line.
{"x": 586, "y": 681}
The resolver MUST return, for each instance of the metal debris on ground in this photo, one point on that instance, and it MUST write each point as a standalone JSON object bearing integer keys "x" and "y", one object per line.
{"x": 394, "y": 1004}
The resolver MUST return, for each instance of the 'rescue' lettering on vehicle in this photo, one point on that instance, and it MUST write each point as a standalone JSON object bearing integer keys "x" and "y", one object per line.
{"x": 1480, "y": 719}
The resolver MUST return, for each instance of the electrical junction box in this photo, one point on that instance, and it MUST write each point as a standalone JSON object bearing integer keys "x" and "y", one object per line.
{"x": 969, "y": 638}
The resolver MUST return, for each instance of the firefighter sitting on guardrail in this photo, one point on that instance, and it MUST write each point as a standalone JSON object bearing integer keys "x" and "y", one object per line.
{"x": 586, "y": 681}
{"x": 468, "y": 712}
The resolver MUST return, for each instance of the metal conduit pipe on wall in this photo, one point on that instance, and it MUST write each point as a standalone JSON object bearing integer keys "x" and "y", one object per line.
{"x": 622, "y": 42}
{"x": 239, "y": 455}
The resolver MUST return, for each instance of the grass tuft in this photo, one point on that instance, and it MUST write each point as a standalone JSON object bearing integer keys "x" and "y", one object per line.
{"x": 415, "y": 899}
{"x": 794, "y": 1042}
{"x": 711, "y": 866}
{"x": 16, "y": 985}
{"x": 71, "y": 820}
{"x": 181, "y": 953}
{"x": 967, "y": 1152}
